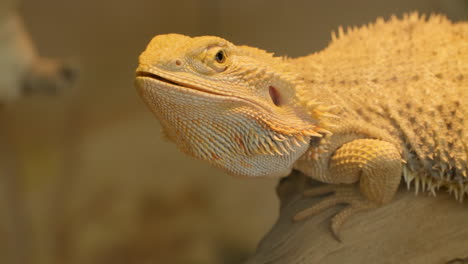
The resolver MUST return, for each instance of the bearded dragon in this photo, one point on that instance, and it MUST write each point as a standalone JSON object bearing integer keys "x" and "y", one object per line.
{"x": 382, "y": 102}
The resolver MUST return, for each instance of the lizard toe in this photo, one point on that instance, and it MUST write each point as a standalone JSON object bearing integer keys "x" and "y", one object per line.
{"x": 337, "y": 194}
{"x": 321, "y": 190}
{"x": 341, "y": 217}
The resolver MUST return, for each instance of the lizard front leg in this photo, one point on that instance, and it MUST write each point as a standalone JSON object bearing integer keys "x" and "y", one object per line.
{"x": 376, "y": 164}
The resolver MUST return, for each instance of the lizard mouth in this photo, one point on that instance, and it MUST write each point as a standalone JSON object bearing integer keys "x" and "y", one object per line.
{"x": 156, "y": 77}
{"x": 180, "y": 84}
{"x": 187, "y": 86}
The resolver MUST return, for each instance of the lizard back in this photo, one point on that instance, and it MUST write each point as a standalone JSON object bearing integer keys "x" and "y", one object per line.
{"x": 409, "y": 78}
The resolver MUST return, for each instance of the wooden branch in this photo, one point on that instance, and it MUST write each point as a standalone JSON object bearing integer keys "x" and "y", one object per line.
{"x": 411, "y": 229}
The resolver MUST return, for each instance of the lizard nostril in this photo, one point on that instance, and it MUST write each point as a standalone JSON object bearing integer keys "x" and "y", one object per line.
{"x": 178, "y": 62}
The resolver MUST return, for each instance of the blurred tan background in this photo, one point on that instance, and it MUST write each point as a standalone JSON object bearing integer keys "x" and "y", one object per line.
{"x": 91, "y": 179}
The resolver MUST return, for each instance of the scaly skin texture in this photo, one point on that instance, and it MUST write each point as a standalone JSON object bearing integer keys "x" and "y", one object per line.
{"x": 382, "y": 102}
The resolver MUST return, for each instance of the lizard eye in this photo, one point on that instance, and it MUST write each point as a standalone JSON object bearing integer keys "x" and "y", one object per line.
{"x": 220, "y": 56}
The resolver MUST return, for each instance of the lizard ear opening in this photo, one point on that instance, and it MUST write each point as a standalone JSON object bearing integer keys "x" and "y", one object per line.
{"x": 274, "y": 94}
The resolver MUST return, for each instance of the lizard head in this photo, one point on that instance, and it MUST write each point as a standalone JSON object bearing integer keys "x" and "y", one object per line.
{"x": 234, "y": 106}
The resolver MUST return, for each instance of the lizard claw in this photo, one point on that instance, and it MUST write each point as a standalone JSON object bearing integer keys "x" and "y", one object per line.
{"x": 337, "y": 194}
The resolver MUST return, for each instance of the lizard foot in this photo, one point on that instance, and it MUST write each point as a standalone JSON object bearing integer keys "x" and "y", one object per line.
{"x": 336, "y": 194}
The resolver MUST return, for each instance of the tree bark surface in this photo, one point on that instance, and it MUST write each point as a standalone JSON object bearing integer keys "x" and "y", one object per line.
{"x": 411, "y": 229}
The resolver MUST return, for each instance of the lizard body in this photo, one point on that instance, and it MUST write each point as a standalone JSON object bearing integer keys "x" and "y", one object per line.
{"x": 381, "y": 102}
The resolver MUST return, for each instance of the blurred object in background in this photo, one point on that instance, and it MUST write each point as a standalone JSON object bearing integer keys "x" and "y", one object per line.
{"x": 95, "y": 183}
{"x": 22, "y": 70}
